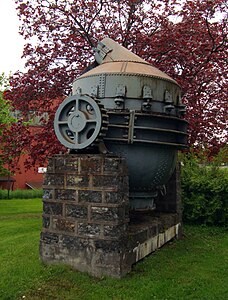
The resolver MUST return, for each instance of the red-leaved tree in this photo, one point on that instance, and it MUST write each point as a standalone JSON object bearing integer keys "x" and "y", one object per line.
{"x": 186, "y": 39}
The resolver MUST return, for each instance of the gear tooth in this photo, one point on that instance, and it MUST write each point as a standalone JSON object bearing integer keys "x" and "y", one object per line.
{"x": 101, "y": 112}
{"x": 104, "y": 126}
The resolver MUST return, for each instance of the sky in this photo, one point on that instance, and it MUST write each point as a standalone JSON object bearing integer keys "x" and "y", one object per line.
{"x": 11, "y": 43}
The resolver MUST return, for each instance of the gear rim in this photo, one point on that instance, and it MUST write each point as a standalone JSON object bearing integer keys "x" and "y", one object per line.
{"x": 79, "y": 128}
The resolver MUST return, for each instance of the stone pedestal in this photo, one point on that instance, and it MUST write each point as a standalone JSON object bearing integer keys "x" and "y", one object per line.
{"x": 86, "y": 220}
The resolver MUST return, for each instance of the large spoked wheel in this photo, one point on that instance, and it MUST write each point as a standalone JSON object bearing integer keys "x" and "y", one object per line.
{"x": 78, "y": 121}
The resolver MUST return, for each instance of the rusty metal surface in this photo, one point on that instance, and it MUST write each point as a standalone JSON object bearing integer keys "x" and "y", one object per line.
{"x": 119, "y": 53}
{"x": 120, "y": 60}
{"x": 128, "y": 68}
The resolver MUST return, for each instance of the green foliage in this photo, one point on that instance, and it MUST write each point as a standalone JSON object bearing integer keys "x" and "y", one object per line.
{"x": 5, "y": 115}
{"x": 6, "y": 118}
{"x": 5, "y": 107}
{"x": 222, "y": 157}
{"x": 204, "y": 190}
{"x": 4, "y": 82}
{"x": 3, "y": 170}
{"x": 21, "y": 194}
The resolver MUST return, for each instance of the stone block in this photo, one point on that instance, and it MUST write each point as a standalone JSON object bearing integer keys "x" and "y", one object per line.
{"x": 53, "y": 180}
{"x": 74, "y": 244}
{"x": 89, "y": 230}
{"x": 89, "y": 196}
{"x": 111, "y": 165}
{"x": 63, "y": 225}
{"x": 48, "y": 194}
{"x": 107, "y": 214}
{"x": 51, "y": 165}
{"x": 91, "y": 165}
{"x": 76, "y": 211}
{"x": 115, "y": 231}
{"x": 52, "y": 208}
{"x": 110, "y": 181}
{"x": 65, "y": 194}
{"x": 109, "y": 246}
{"x": 49, "y": 238}
{"x": 63, "y": 164}
{"x": 77, "y": 180}
{"x": 46, "y": 222}
{"x": 86, "y": 216}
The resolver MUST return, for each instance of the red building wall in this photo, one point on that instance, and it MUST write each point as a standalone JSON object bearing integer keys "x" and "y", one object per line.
{"x": 22, "y": 178}
{"x": 27, "y": 178}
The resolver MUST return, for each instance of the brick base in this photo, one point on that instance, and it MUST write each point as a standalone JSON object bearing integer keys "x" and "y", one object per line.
{"x": 86, "y": 217}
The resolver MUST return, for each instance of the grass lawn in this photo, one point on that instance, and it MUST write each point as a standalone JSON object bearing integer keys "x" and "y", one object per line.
{"x": 193, "y": 268}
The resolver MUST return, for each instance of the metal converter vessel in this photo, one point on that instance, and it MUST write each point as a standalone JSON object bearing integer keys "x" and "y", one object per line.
{"x": 125, "y": 106}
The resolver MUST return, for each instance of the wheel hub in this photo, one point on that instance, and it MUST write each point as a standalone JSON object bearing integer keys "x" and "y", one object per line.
{"x": 77, "y": 121}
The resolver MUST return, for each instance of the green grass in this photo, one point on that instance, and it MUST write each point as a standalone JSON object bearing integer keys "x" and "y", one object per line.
{"x": 21, "y": 194}
{"x": 192, "y": 268}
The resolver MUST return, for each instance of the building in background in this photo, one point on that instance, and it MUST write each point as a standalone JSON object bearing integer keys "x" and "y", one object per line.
{"x": 23, "y": 178}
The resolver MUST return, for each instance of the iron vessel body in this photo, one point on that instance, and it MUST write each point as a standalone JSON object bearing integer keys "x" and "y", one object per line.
{"x": 144, "y": 117}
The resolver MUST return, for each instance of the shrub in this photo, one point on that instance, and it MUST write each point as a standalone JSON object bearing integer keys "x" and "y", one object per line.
{"x": 21, "y": 194}
{"x": 204, "y": 192}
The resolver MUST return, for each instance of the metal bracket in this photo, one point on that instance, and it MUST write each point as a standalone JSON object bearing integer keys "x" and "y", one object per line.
{"x": 169, "y": 102}
{"x": 94, "y": 91}
{"x": 131, "y": 127}
{"x": 148, "y": 97}
{"x": 147, "y": 92}
{"x": 147, "y": 105}
{"x": 119, "y": 102}
{"x": 168, "y": 97}
{"x": 101, "y": 51}
{"x": 181, "y": 109}
{"x": 168, "y": 108}
{"x": 120, "y": 90}
{"x": 120, "y": 94}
